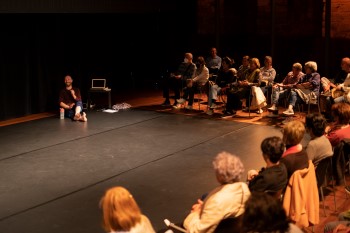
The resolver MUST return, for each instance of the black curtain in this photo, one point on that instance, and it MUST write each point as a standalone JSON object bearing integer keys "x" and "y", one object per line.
{"x": 38, "y": 50}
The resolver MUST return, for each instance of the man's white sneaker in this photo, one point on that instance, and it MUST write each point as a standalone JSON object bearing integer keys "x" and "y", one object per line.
{"x": 177, "y": 106}
{"x": 212, "y": 106}
{"x": 189, "y": 107}
{"x": 181, "y": 101}
{"x": 272, "y": 108}
{"x": 210, "y": 112}
{"x": 259, "y": 111}
{"x": 288, "y": 112}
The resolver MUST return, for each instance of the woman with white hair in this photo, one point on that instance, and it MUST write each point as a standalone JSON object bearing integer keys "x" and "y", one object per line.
{"x": 307, "y": 89}
{"x": 225, "y": 201}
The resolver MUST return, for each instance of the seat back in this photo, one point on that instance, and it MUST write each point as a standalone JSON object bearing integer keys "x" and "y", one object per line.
{"x": 322, "y": 171}
{"x": 340, "y": 160}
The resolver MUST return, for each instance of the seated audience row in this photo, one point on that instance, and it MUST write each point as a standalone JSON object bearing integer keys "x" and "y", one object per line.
{"x": 253, "y": 83}
{"x": 250, "y": 83}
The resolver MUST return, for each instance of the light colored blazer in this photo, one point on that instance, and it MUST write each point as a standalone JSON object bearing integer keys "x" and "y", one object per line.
{"x": 203, "y": 77}
{"x": 223, "y": 202}
{"x": 301, "y": 200}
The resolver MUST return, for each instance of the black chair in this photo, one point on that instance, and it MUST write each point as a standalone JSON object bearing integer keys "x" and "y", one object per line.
{"x": 317, "y": 103}
{"x": 323, "y": 173}
{"x": 200, "y": 90}
{"x": 340, "y": 161}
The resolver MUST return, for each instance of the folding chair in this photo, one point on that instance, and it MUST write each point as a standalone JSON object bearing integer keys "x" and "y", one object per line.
{"x": 323, "y": 172}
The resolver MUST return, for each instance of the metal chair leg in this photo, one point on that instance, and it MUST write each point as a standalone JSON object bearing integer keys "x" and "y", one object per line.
{"x": 322, "y": 197}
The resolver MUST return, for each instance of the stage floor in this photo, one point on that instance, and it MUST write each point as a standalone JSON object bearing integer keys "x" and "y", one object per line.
{"x": 54, "y": 172}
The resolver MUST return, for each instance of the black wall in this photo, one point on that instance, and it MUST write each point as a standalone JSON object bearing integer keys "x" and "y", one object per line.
{"x": 126, "y": 46}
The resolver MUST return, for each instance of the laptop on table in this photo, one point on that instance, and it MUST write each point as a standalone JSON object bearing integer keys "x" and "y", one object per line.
{"x": 99, "y": 84}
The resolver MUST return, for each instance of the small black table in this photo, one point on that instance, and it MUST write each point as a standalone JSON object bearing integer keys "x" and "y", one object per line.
{"x": 106, "y": 90}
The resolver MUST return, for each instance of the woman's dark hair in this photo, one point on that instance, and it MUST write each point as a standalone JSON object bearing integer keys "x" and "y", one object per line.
{"x": 228, "y": 61}
{"x": 273, "y": 147}
{"x": 264, "y": 213}
{"x": 200, "y": 60}
{"x": 316, "y": 123}
{"x": 342, "y": 112}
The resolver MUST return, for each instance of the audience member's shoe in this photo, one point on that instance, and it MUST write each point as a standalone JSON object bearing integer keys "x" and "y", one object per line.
{"x": 212, "y": 106}
{"x": 176, "y": 106}
{"x": 77, "y": 117}
{"x": 259, "y": 111}
{"x": 272, "y": 109}
{"x": 229, "y": 113}
{"x": 347, "y": 189}
{"x": 181, "y": 101}
{"x": 210, "y": 112}
{"x": 189, "y": 107}
{"x": 288, "y": 112}
{"x": 166, "y": 103}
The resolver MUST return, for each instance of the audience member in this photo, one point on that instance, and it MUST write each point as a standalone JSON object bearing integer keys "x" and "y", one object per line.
{"x": 122, "y": 214}
{"x": 226, "y": 76}
{"x": 70, "y": 101}
{"x": 268, "y": 74}
{"x": 333, "y": 91}
{"x": 272, "y": 178}
{"x": 307, "y": 89}
{"x": 243, "y": 68}
{"x": 345, "y": 86}
{"x": 282, "y": 90}
{"x": 177, "y": 80}
{"x": 246, "y": 88}
{"x": 199, "y": 81}
{"x": 225, "y": 201}
{"x": 232, "y": 106}
{"x": 265, "y": 214}
{"x": 343, "y": 73}
{"x": 339, "y": 129}
{"x": 213, "y": 62}
{"x": 295, "y": 157}
{"x": 319, "y": 146}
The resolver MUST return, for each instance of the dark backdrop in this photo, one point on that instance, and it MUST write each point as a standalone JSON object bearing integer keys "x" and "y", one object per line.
{"x": 133, "y": 43}
{"x": 38, "y": 49}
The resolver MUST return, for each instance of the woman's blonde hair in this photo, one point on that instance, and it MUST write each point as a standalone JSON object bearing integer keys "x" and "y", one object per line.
{"x": 120, "y": 210}
{"x": 293, "y": 133}
{"x": 255, "y": 61}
